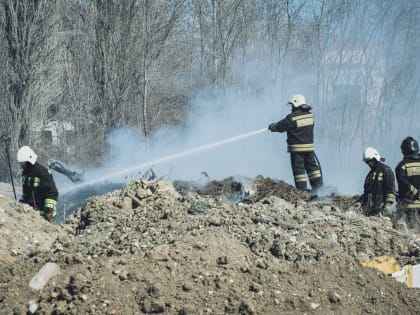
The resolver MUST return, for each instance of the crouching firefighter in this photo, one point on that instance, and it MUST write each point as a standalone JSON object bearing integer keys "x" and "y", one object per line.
{"x": 408, "y": 179}
{"x": 379, "y": 187}
{"x": 299, "y": 125}
{"x": 38, "y": 186}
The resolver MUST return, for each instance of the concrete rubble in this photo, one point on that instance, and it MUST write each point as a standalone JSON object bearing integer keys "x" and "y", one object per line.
{"x": 160, "y": 247}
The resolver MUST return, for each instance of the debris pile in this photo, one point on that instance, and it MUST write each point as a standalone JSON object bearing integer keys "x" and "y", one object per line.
{"x": 155, "y": 247}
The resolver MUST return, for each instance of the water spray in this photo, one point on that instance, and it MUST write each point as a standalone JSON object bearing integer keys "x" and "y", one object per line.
{"x": 167, "y": 158}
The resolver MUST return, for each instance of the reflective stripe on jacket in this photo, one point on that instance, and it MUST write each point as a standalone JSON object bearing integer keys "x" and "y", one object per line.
{"x": 299, "y": 125}
{"x": 379, "y": 187}
{"x": 38, "y": 187}
{"x": 408, "y": 179}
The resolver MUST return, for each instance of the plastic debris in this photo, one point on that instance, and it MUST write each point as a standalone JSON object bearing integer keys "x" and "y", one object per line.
{"x": 386, "y": 264}
{"x": 47, "y": 271}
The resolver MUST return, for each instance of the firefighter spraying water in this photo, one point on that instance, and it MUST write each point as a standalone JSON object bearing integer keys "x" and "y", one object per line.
{"x": 299, "y": 125}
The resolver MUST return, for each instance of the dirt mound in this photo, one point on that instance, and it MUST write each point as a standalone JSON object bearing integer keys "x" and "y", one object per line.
{"x": 266, "y": 187}
{"x": 234, "y": 190}
{"x": 147, "y": 248}
{"x": 228, "y": 190}
{"x": 22, "y": 230}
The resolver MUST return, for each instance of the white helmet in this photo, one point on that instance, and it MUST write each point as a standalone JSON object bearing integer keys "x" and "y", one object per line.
{"x": 371, "y": 153}
{"x": 25, "y": 154}
{"x": 297, "y": 100}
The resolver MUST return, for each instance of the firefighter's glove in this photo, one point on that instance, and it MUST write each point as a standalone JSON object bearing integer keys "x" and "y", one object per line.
{"x": 50, "y": 209}
{"x": 272, "y": 127}
{"x": 387, "y": 209}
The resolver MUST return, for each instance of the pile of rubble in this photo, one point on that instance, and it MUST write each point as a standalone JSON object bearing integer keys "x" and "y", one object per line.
{"x": 158, "y": 247}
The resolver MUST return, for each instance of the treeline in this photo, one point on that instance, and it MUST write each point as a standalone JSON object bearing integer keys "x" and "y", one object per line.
{"x": 70, "y": 71}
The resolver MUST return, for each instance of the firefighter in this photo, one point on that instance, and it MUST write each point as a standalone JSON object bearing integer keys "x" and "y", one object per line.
{"x": 38, "y": 186}
{"x": 379, "y": 187}
{"x": 408, "y": 180}
{"x": 299, "y": 125}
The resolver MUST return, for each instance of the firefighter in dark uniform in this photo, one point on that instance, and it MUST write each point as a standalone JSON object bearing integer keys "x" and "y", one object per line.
{"x": 379, "y": 188}
{"x": 299, "y": 125}
{"x": 38, "y": 186}
{"x": 408, "y": 179}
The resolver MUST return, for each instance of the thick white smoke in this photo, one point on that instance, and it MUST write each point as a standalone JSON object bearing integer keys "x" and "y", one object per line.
{"x": 176, "y": 154}
{"x": 344, "y": 126}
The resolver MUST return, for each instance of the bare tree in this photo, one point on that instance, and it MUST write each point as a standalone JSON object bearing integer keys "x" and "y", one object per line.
{"x": 281, "y": 26}
{"x": 27, "y": 50}
{"x": 124, "y": 40}
{"x": 220, "y": 27}
{"x": 158, "y": 22}
{"x": 400, "y": 88}
{"x": 81, "y": 68}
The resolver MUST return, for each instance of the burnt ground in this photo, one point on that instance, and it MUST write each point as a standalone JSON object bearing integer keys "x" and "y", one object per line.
{"x": 228, "y": 247}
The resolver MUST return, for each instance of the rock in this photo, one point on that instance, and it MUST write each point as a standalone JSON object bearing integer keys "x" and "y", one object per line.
{"x": 198, "y": 207}
{"x": 223, "y": 260}
{"x": 127, "y": 202}
{"x": 33, "y": 306}
{"x": 61, "y": 306}
{"x": 313, "y": 306}
{"x": 20, "y": 310}
{"x": 187, "y": 310}
{"x": 47, "y": 271}
{"x": 261, "y": 264}
{"x": 334, "y": 297}
{"x": 255, "y": 287}
{"x": 268, "y": 257}
{"x": 187, "y": 286}
{"x": 247, "y": 308}
{"x": 152, "y": 306}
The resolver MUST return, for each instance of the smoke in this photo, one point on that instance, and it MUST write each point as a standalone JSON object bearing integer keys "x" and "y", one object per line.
{"x": 216, "y": 116}
{"x": 187, "y": 153}
{"x": 359, "y": 99}
{"x": 213, "y": 118}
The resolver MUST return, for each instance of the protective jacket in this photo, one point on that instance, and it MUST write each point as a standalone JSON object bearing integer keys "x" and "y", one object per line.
{"x": 408, "y": 179}
{"x": 38, "y": 188}
{"x": 379, "y": 188}
{"x": 299, "y": 125}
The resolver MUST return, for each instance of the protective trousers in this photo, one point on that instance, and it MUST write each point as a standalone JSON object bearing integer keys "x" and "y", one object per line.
{"x": 305, "y": 163}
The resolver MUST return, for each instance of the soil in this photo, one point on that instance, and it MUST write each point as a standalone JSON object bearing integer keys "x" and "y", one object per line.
{"x": 236, "y": 246}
